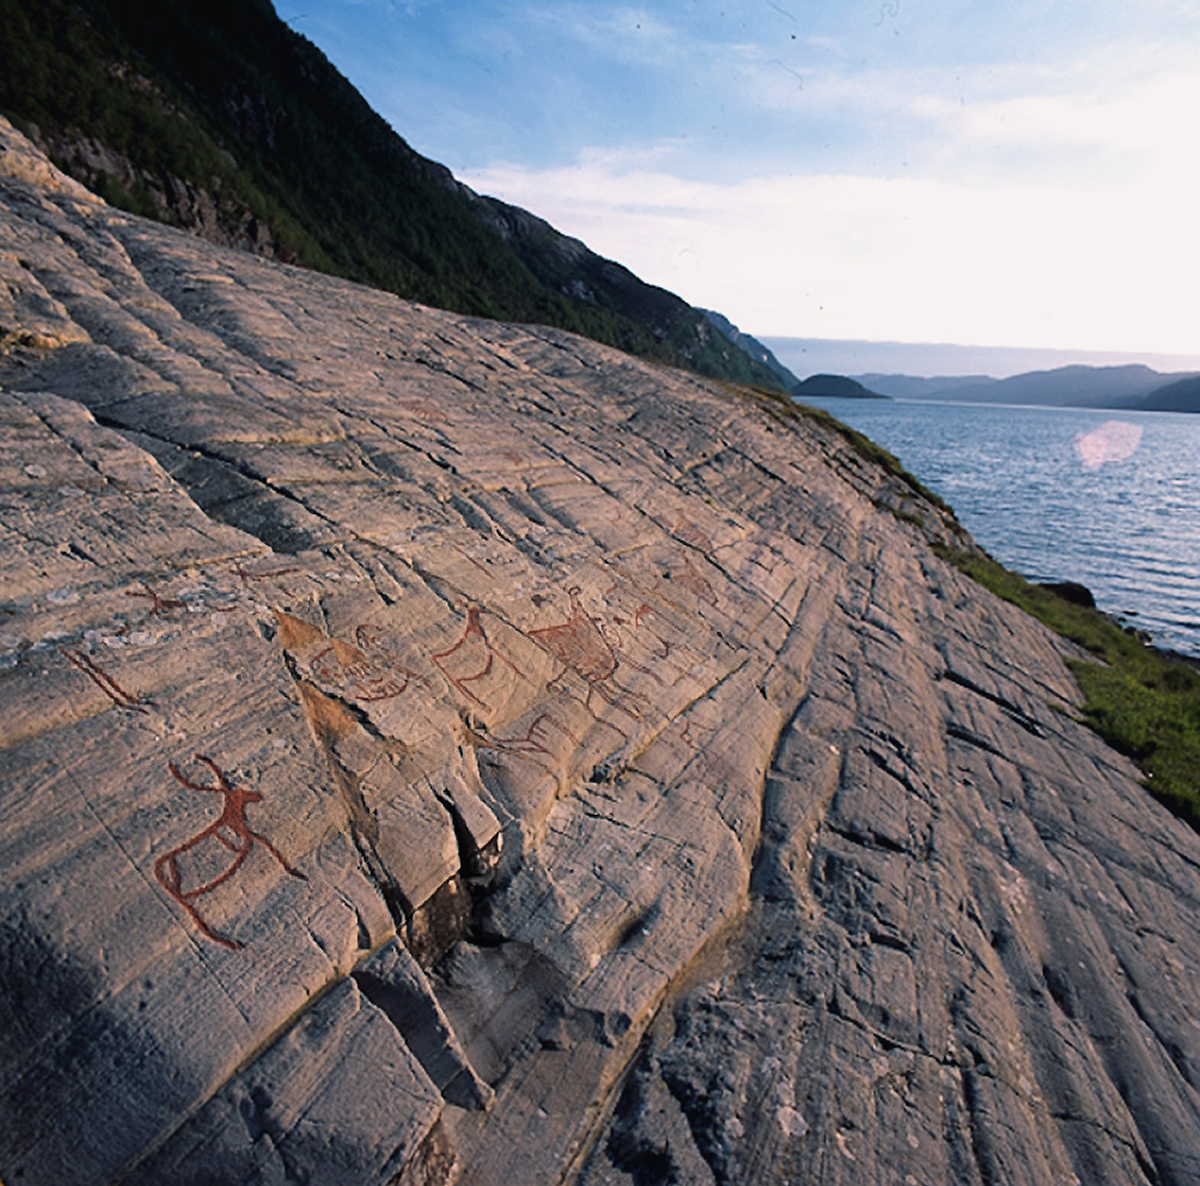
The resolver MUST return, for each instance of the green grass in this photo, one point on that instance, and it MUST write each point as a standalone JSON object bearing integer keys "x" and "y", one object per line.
{"x": 1143, "y": 703}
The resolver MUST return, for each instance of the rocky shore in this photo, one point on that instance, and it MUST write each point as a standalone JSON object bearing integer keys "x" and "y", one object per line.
{"x": 436, "y": 750}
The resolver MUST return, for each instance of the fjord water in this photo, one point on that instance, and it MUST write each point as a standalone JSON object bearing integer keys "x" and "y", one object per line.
{"x": 1050, "y": 494}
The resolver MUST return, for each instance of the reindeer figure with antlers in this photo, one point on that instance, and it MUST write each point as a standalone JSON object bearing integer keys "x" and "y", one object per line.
{"x": 231, "y": 830}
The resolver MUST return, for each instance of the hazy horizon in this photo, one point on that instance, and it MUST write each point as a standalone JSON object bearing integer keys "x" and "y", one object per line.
{"x": 813, "y": 356}
{"x": 990, "y": 172}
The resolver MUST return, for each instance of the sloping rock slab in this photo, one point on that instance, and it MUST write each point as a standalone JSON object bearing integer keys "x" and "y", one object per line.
{"x": 438, "y": 749}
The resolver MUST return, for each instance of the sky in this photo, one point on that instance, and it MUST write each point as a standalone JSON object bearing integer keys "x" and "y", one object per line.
{"x": 994, "y": 174}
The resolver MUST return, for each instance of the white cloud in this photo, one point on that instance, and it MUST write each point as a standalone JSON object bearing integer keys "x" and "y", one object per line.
{"x": 1116, "y": 106}
{"x": 1043, "y": 207}
{"x": 904, "y": 260}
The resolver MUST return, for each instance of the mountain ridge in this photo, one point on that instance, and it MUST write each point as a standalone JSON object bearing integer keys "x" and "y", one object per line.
{"x": 753, "y": 347}
{"x": 1131, "y": 386}
{"x": 220, "y": 118}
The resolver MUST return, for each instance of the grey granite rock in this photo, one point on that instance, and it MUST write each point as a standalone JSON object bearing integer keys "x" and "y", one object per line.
{"x": 440, "y": 750}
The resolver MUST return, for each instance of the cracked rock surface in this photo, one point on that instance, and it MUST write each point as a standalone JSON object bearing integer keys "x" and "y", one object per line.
{"x": 436, "y": 750}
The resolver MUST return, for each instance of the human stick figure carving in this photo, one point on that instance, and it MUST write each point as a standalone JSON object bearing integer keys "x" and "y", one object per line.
{"x": 231, "y": 830}
{"x": 158, "y": 603}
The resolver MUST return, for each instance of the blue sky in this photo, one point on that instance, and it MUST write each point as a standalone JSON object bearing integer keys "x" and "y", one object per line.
{"x": 996, "y": 174}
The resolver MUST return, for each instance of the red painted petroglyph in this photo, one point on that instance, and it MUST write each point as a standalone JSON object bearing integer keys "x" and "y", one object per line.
{"x": 695, "y": 582}
{"x": 695, "y": 736}
{"x": 626, "y": 595}
{"x": 422, "y": 410}
{"x": 102, "y": 680}
{"x": 582, "y": 645}
{"x": 679, "y": 574}
{"x": 643, "y": 611}
{"x": 472, "y": 657}
{"x": 247, "y": 577}
{"x": 231, "y": 824}
{"x": 512, "y": 456}
{"x": 366, "y": 671}
{"x": 579, "y": 643}
{"x": 159, "y": 605}
{"x": 537, "y": 739}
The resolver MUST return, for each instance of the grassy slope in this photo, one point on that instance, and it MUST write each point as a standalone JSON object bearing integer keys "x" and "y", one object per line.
{"x": 1143, "y": 703}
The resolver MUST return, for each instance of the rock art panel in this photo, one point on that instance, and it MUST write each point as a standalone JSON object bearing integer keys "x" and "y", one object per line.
{"x": 405, "y": 771}
{"x": 662, "y": 711}
{"x": 368, "y": 670}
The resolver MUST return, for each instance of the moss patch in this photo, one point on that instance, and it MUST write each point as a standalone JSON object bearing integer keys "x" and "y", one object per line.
{"x": 1144, "y": 703}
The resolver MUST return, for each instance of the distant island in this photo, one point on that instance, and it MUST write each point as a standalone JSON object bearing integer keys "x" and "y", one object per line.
{"x": 1181, "y": 396}
{"x": 835, "y": 386}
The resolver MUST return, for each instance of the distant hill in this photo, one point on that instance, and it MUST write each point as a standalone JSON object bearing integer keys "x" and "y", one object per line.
{"x": 836, "y": 386}
{"x": 214, "y": 115}
{"x": 753, "y": 347}
{"x": 912, "y": 387}
{"x": 1070, "y": 386}
{"x": 1180, "y": 396}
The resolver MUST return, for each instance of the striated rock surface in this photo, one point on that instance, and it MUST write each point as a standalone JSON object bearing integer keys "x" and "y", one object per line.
{"x": 437, "y": 750}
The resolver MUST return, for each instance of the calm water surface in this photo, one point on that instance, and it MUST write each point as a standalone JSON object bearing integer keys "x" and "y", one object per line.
{"x": 1107, "y": 498}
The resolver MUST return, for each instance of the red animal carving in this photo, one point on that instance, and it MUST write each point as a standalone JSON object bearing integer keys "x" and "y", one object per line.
{"x": 472, "y": 657}
{"x": 366, "y": 671}
{"x": 231, "y": 830}
{"x": 102, "y": 680}
{"x": 535, "y": 740}
{"x": 695, "y": 582}
{"x": 581, "y": 646}
{"x": 687, "y": 532}
{"x": 579, "y": 643}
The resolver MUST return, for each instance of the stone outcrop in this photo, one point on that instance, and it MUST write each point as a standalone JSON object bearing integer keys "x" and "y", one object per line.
{"x": 437, "y": 750}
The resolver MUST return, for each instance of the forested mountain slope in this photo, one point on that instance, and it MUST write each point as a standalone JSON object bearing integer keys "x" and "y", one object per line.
{"x": 214, "y": 115}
